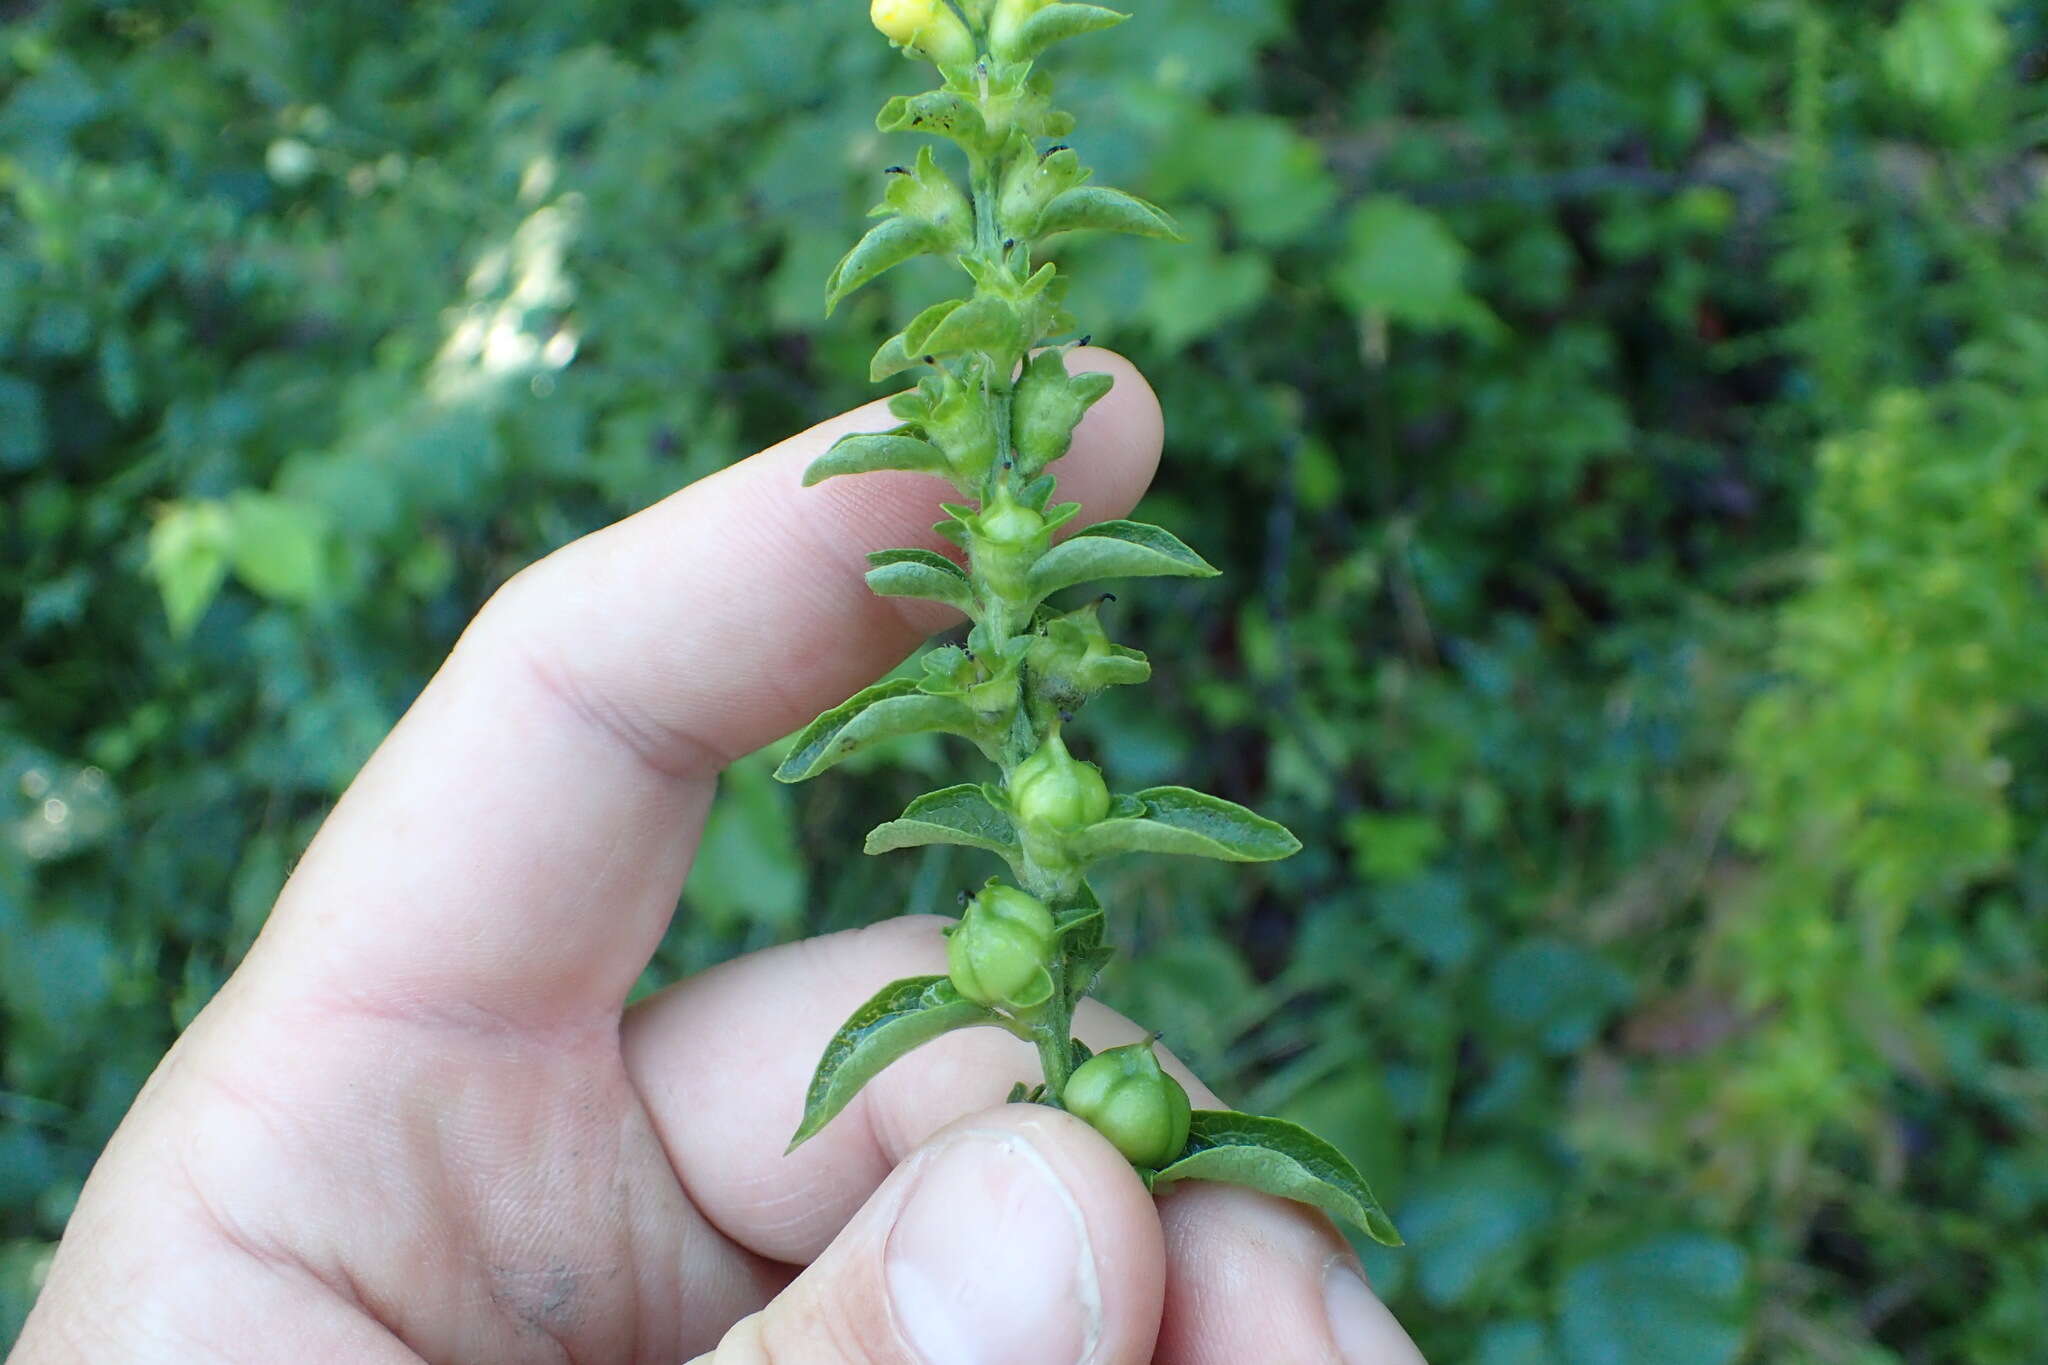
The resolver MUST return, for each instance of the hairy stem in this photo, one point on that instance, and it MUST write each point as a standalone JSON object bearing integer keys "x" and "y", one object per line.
{"x": 1054, "y": 1037}
{"x": 1052, "y": 1026}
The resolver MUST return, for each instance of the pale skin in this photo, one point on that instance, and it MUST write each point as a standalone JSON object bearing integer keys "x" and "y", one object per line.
{"x": 419, "y": 1123}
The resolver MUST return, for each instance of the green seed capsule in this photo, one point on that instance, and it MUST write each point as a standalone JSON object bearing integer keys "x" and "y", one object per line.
{"x": 1123, "y": 1095}
{"x": 1048, "y": 406}
{"x": 1008, "y": 537}
{"x": 959, "y": 421}
{"x": 1072, "y": 659}
{"x": 1011, "y": 525}
{"x": 1001, "y": 952}
{"x": 1054, "y": 790}
{"x": 1031, "y": 182}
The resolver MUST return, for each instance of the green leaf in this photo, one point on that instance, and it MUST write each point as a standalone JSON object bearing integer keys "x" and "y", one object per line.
{"x": 904, "y": 1015}
{"x": 1099, "y": 208}
{"x": 985, "y": 323}
{"x": 1353, "y": 1107}
{"x": 1673, "y": 1300}
{"x": 886, "y": 245}
{"x": 884, "y": 711}
{"x": 189, "y": 549}
{"x": 278, "y": 547}
{"x": 920, "y": 573}
{"x": 1192, "y": 824}
{"x": 1056, "y": 23}
{"x": 891, "y": 357}
{"x": 957, "y": 815}
{"x": 1116, "y": 549}
{"x": 919, "y": 330}
{"x": 1278, "y": 1157}
{"x": 907, "y": 348}
{"x": 865, "y": 453}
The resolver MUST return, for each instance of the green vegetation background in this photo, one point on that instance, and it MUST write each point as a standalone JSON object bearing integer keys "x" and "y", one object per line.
{"x": 1624, "y": 428}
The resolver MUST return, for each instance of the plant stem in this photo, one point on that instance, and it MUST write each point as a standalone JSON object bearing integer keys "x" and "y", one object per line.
{"x": 1051, "y": 1030}
{"x": 1055, "y": 1045}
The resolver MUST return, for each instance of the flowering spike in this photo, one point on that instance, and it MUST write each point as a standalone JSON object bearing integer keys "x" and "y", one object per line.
{"x": 998, "y": 407}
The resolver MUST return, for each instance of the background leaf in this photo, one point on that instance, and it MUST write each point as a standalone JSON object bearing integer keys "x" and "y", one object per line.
{"x": 1198, "y": 289}
{"x": 190, "y": 548}
{"x": 1516, "y": 1343}
{"x": 1473, "y": 1225}
{"x": 747, "y": 877}
{"x": 1404, "y": 265}
{"x": 1664, "y": 1301}
{"x": 1555, "y": 992}
{"x": 1268, "y": 176}
{"x": 277, "y": 547}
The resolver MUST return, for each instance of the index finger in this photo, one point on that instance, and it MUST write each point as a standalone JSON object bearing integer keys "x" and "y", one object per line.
{"x": 514, "y": 850}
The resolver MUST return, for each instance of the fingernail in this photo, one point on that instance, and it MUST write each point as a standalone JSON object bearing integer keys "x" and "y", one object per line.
{"x": 1365, "y": 1332}
{"x": 989, "y": 1262}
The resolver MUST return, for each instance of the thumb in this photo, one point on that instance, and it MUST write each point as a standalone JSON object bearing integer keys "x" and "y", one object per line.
{"x": 1014, "y": 1237}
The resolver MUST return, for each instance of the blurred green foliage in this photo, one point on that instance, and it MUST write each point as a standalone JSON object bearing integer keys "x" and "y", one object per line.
{"x": 1625, "y": 426}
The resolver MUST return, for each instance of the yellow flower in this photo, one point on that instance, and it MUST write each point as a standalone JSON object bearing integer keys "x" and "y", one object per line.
{"x": 1008, "y": 21}
{"x": 929, "y": 28}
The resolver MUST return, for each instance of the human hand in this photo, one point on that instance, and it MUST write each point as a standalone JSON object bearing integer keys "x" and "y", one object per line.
{"x": 418, "y": 1124}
